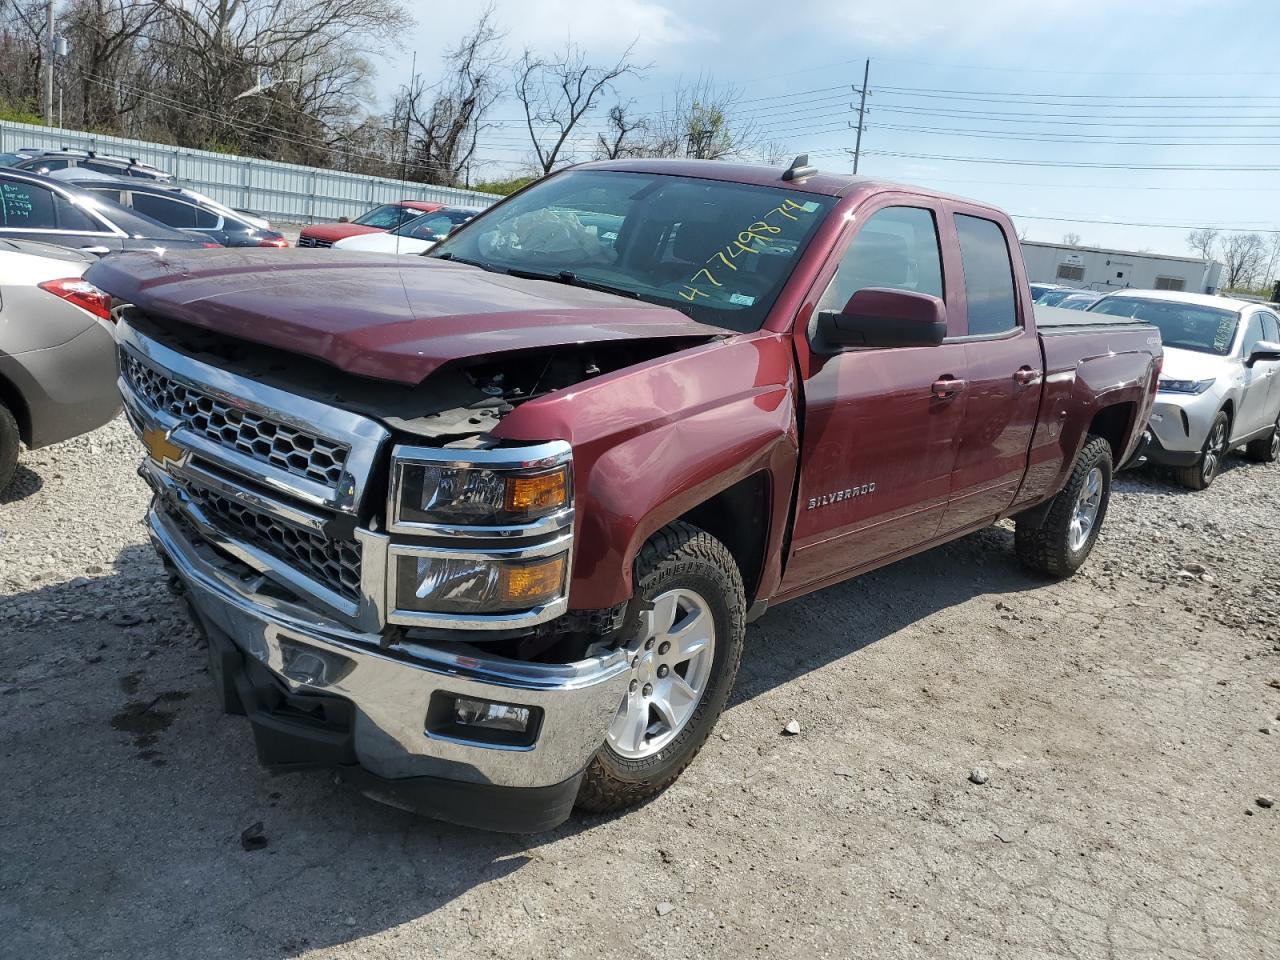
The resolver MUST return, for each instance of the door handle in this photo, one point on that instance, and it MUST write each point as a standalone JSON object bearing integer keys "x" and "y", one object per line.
{"x": 1025, "y": 376}
{"x": 947, "y": 387}
{"x": 100, "y": 251}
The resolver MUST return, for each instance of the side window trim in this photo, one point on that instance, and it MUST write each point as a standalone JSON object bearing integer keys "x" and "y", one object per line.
{"x": 1020, "y": 319}
{"x": 863, "y": 222}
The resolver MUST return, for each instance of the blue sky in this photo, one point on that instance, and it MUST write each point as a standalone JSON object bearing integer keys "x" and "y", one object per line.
{"x": 1050, "y": 87}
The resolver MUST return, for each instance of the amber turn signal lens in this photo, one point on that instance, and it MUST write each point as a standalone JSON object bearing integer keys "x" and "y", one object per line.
{"x": 532, "y": 583}
{"x": 540, "y": 493}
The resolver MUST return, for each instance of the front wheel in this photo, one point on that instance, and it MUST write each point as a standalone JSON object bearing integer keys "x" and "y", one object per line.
{"x": 1204, "y": 471}
{"x": 10, "y": 440}
{"x": 1063, "y": 540}
{"x": 684, "y": 652}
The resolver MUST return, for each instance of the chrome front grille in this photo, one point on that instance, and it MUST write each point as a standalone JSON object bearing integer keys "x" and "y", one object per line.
{"x": 304, "y": 241}
{"x": 268, "y": 441}
{"x": 334, "y": 564}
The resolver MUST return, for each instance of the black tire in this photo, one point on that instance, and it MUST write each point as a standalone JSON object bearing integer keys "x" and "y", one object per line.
{"x": 1205, "y": 470}
{"x": 1047, "y": 548}
{"x": 1265, "y": 449}
{"x": 10, "y": 440}
{"x": 679, "y": 555}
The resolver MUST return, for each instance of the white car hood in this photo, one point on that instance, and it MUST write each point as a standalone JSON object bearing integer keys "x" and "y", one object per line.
{"x": 384, "y": 243}
{"x": 1193, "y": 365}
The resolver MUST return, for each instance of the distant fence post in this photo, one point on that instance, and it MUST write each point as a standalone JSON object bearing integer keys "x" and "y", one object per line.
{"x": 248, "y": 184}
{"x": 311, "y": 199}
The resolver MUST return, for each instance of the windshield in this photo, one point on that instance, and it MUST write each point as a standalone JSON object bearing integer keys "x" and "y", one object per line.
{"x": 1186, "y": 326}
{"x": 9, "y": 159}
{"x": 1051, "y": 298}
{"x": 719, "y": 252}
{"x": 434, "y": 226}
{"x": 386, "y": 216}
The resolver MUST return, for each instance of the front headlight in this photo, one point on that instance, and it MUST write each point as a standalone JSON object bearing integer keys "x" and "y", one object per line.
{"x": 476, "y": 584}
{"x": 1196, "y": 387}
{"x": 481, "y": 488}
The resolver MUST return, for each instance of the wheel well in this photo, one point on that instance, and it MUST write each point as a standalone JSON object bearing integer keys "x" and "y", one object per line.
{"x": 1229, "y": 409}
{"x": 1113, "y": 424}
{"x": 12, "y": 399}
{"x": 738, "y": 517}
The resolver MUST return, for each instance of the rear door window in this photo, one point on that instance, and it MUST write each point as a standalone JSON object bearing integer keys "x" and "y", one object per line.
{"x": 988, "y": 276}
{"x": 26, "y": 206}
{"x": 72, "y": 219}
{"x": 172, "y": 213}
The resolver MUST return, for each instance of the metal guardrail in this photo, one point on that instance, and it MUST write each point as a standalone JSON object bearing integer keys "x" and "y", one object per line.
{"x": 280, "y": 191}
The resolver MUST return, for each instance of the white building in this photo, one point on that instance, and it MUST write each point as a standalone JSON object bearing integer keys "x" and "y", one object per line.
{"x": 1095, "y": 268}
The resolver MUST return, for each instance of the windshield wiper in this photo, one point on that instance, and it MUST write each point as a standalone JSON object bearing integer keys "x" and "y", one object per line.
{"x": 470, "y": 263}
{"x": 572, "y": 279}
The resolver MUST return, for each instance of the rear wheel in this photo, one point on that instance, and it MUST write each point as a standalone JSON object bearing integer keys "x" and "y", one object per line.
{"x": 1265, "y": 449}
{"x": 10, "y": 440}
{"x": 1065, "y": 537}
{"x": 684, "y": 652}
{"x": 1205, "y": 470}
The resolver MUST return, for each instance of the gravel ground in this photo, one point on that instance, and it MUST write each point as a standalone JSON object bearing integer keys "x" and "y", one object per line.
{"x": 1127, "y": 721}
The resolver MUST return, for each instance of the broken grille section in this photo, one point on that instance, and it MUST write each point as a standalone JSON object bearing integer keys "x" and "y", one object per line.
{"x": 333, "y": 563}
{"x": 294, "y": 451}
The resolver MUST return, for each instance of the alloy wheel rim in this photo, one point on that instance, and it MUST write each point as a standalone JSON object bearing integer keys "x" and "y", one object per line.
{"x": 1084, "y": 516}
{"x": 671, "y": 661}
{"x": 1214, "y": 451}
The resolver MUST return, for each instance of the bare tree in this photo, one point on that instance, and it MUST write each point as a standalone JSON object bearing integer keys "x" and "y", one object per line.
{"x": 557, "y": 92}
{"x": 703, "y": 120}
{"x": 104, "y": 38}
{"x": 775, "y": 152}
{"x": 620, "y": 140}
{"x": 1243, "y": 257}
{"x": 1203, "y": 242}
{"x": 1071, "y": 239}
{"x": 1023, "y": 233}
{"x": 446, "y": 118}
{"x": 268, "y": 76}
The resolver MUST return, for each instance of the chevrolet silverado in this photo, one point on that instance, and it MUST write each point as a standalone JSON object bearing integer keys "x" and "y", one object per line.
{"x": 485, "y": 528}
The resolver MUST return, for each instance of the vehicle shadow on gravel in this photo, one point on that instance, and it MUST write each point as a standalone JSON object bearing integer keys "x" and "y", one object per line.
{"x": 135, "y": 816}
{"x": 135, "y": 839}
{"x": 25, "y": 482}
{"x": 806, "y": 634}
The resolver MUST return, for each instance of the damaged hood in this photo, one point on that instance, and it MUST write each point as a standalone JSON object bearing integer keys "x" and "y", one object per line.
{"x": 396, "y": 319}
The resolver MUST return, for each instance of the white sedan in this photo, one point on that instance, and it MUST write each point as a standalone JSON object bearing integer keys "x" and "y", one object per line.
{"x": 415, "y": 236}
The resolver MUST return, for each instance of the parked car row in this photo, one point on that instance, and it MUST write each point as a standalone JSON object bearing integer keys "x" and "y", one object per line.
{"x": 152, "y": 192}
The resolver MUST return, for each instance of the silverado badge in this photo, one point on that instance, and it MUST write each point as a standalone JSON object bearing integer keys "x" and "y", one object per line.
{"x": 160, "y": 448}
{"x": 839, "y": 495}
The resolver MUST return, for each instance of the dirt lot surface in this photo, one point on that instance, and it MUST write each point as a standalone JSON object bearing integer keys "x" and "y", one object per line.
{"x": 1126, "y": 721}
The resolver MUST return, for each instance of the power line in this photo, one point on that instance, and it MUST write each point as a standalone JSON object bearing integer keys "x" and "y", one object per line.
{"x": 1251, "y": 228}
{"x": 982, "y": 96}
{"x": 1083, "y": 139}
{"x": 1039, "y": 121}
{"x": 1239, "y": 168}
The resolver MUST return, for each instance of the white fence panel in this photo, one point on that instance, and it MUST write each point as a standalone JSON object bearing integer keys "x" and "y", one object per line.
{"x": 281, "y": 191}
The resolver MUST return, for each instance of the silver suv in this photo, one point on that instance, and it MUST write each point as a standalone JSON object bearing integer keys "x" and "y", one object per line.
{"x": 1218, "y": 389}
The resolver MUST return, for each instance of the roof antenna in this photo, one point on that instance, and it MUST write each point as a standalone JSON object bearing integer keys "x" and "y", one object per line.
{"x": 799, "y": 168}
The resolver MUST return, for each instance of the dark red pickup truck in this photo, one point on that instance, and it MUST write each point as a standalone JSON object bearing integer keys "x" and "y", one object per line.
{"x": 485, "y": 528}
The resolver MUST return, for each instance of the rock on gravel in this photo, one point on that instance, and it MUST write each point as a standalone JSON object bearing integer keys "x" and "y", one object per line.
{"x": 978, "y": 775}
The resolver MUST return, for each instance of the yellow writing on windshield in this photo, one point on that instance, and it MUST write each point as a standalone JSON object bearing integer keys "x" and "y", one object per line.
{"x": 758, "y": 232}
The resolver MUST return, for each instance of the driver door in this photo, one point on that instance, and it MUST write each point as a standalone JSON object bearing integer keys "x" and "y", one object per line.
{"x": 879, "y": 438}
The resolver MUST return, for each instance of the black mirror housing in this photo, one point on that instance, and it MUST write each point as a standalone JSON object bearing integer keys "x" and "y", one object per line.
{"x": 1263, "y": 350}
{"x": 882, "y": 317}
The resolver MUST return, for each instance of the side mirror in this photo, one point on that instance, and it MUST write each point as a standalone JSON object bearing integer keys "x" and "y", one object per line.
{"x": 1263, "y": 350}
{"x": 880, "y": 317}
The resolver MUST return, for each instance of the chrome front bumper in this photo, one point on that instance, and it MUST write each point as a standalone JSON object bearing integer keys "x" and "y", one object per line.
{"x": 391, "y": 687}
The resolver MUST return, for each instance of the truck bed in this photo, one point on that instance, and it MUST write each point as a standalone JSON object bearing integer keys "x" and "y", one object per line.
{"x": 1056, "y": 320}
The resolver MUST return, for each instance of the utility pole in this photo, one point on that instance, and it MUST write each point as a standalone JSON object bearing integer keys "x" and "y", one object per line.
{"x": 408, "y": 109}
{"x": 48, "y": 72}
{"x": 862, "y": 114}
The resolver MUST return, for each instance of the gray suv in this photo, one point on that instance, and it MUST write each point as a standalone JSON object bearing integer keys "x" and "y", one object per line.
{"x": 57, "y": 349}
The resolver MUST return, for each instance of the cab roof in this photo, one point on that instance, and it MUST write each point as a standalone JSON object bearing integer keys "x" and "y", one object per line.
{"x": 823, "y": 182}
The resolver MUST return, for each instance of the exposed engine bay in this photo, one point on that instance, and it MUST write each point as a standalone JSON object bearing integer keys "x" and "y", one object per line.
{"x": 462, "y": 400}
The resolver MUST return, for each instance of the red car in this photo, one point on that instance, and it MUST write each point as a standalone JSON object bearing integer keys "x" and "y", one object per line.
{"x": 381, "y": 218}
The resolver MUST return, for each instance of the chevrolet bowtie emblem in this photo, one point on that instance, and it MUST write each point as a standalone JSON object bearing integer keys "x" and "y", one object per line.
{"x": 160, "y": 448}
